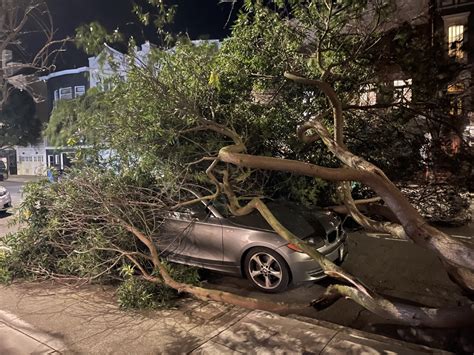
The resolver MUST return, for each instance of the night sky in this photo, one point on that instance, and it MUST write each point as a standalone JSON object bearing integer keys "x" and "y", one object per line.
{"x": 198, "y": 18}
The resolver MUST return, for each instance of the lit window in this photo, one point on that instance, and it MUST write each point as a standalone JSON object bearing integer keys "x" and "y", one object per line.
{"x": 457, "y": 88}
{"x": 455, "y": 41}
{"x": 455, "y": 26}
{"x": 65, "y": 93}
{"x": 402, "y": 91}
{"x": 455, "y": 100}
{"x": 79, "y": 91}
{"x": 455, "y": 106}
{"x": 368, "y": 95}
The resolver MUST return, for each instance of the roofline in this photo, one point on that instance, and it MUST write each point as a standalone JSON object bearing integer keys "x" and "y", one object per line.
{"x": 64, "y": 72}
{"x": 113, "y": 49}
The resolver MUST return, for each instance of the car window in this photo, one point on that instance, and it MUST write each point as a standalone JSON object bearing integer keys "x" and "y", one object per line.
{"x": 196, "y": 210}
{"x": 221, "y": 205}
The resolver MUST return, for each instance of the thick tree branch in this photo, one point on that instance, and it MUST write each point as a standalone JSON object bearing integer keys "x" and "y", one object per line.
{"x": 449, "y": 317}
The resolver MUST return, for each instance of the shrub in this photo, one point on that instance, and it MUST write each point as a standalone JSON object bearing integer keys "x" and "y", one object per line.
{"x": 136, "y": 293}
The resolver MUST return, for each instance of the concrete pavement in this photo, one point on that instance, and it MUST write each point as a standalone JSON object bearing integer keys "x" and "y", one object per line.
{"x": 45, "y": 318}
{"x": 19, "y": 337}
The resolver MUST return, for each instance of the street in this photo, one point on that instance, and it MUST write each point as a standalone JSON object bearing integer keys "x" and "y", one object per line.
{"x": 393, "y": 268}
{"x": 14, "y": 185}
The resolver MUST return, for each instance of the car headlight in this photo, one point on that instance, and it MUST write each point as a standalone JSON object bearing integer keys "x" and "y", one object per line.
{"x": 3, "y": 191}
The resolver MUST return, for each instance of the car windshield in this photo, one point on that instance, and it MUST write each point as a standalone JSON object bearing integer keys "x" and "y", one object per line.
{"x": 290, "y": 215}
{"x": 220, "y": 204}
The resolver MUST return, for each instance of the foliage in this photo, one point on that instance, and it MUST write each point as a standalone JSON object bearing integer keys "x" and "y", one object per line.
{"x": 148, "y": 120}
{"x": 91, "y": 37}
{"x": 151, "y": 15}
{"x": 5, "y": 274}
{"x": 137, "y": 293}
{"x": 63, "y": 129}
{"x": 129, "y": 120}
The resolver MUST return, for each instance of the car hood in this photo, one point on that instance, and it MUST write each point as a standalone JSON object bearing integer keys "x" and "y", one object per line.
{"x": 301, "y": 222}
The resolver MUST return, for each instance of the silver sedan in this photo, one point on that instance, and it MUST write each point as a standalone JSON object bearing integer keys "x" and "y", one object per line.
{"x": 5, "y": 199}
{"x": 206, "y": 236}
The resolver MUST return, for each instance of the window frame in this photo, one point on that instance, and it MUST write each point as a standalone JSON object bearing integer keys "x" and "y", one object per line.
{"x": 76, "y": 92}
{"x": 402, "y": 91}
{"x": 456, "y": 41}
{"x": 67, "y": 96}
{"x": 368, "y": 95}
{"x": 459, "y": 19}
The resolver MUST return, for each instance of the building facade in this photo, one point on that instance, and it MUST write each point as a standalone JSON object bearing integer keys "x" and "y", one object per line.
{"x": 455, "y": 20}
{"x": 69, "y": 85}
{"x": 111, "y": 63}
{"x": 447, "y": 26}
{"x": 62, "y": 85}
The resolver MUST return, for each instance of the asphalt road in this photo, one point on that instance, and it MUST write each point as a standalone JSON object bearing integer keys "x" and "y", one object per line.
{"x": 396, "y": 269}
{"x": 13, "y": 186}
{"x": 15, "y": 189}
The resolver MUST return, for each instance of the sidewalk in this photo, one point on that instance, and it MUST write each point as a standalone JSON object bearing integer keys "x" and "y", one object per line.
{"x": 23, "y": 178}
{"x": 47, "y": 319}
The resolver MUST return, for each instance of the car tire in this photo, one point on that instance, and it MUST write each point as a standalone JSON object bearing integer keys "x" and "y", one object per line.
{"x": 266, "y": 270}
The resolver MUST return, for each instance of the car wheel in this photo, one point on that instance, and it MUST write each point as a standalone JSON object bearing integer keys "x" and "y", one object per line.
{"x": 267, "y": 270}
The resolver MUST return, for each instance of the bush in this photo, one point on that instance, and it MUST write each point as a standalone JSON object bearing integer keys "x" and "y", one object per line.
{"x": 136, "y": 293}
{"x": 5, "y": 274}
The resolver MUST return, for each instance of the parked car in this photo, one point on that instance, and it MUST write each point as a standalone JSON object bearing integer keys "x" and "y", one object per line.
{"x": 3, "y": 171}
{"x": 206, "y": 236}
{"x": 5, "y": 199}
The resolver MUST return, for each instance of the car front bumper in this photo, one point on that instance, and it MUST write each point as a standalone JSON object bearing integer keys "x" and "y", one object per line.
{"x": 304, "y": 268}
{"x": 5, "y": 202}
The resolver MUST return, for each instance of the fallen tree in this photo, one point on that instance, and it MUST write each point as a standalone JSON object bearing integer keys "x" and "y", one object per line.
{"x": 94, "y": 225}
{"x": 456, "y": 256}
{"x": 122, "y": 214}
{"x": 196, "y": 109}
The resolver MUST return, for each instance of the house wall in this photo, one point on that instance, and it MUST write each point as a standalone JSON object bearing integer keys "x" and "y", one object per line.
{"x": 31, "y": 160}
{"x": 64, "y": 79}
{"x": 111, "y": 62}
{"x": 452, "y": 12}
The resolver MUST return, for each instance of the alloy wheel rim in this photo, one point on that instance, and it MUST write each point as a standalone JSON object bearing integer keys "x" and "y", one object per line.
{"x": 265, "y": 271}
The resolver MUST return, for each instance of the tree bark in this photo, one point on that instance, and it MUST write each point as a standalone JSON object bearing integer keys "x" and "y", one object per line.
{"x": 449, "y": 317}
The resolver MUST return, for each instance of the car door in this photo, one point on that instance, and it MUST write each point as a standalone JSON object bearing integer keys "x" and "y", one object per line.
{"x": 193, "y": 235}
